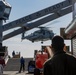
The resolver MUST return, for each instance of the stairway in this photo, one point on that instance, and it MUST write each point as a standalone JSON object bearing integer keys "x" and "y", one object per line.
{"x": 13, "y": 64}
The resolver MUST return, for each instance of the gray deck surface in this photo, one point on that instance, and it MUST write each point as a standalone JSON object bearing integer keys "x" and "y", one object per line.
{"x": 15, "y": 73}
{"x": 13, "y": 65}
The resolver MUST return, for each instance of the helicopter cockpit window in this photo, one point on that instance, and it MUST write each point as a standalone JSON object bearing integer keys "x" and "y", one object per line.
{"x": 36, "y": 33}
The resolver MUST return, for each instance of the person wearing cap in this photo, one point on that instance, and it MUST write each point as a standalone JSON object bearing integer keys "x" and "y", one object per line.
{"x": 61, "y": 63}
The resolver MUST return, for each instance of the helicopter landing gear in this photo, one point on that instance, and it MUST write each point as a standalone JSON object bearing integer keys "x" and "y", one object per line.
{"x": 41, "y": 42}
{"x": 32, "y": 41}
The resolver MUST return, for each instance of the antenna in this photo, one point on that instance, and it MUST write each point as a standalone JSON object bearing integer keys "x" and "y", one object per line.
{"x": 2, "y": 0}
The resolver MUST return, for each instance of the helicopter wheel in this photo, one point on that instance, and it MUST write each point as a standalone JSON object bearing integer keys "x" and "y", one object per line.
{"x": 42, "y": 42}
{"x": 32, "y": 41}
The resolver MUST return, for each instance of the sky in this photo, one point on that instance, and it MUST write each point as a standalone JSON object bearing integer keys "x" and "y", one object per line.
{"x": 21, "y": 8}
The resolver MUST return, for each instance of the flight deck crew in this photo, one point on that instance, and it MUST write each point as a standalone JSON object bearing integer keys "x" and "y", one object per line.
{"x": 13, "y": 53}
{"x": 22, "y": 64}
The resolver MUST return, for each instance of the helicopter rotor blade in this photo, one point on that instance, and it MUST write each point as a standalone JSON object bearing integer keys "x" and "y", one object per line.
{"x": 54, "y": 22}
{"x": 42, "y": 27}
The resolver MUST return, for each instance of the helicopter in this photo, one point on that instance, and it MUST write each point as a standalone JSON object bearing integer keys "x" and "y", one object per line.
{"x": 43, "y": 34}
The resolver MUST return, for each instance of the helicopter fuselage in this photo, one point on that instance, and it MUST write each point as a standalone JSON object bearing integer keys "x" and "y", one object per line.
{"x": 40, "y": 36}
